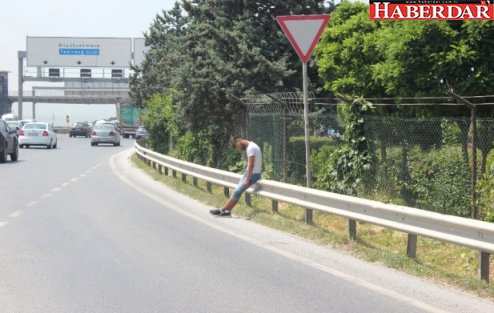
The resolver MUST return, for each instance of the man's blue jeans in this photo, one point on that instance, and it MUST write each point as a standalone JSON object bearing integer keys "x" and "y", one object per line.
{"x": 241, "y": 185}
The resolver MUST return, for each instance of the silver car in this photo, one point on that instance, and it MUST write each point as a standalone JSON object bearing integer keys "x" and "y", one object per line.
{"x": 105, "y": 133}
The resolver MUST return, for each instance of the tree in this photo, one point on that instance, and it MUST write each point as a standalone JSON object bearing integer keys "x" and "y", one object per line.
{"x": 209, "y": 51}
{"x": 348, "y": 51}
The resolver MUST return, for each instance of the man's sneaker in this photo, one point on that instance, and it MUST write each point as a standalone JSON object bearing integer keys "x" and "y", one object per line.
{"x": 225, "y": 214}
{"x": 221, "y": 213}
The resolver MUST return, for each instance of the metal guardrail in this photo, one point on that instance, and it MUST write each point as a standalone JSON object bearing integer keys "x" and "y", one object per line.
{"x": 61, "y": 130}
{"x": 465, "y": 232}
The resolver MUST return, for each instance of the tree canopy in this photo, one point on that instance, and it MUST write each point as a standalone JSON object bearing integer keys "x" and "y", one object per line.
{"x": 210, "y": 52}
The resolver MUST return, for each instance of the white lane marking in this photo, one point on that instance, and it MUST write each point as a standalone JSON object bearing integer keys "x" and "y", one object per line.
{"x": 65, "y": 184}
{"x": 32, "y": 203}
{"x": 46, "y": 195}
{"x": 352, "y": 279}
{"x": 82, "y": 175}
{"x": 74, "y": 179}
{"x": 88, "y": 172}
{"x": 56, "y": 189}
{"x": 3, "y": 224}
{"x": 15, "y": 214}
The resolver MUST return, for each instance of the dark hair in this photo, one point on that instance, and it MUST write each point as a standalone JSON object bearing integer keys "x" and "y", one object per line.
{"x": 235, "y": 139}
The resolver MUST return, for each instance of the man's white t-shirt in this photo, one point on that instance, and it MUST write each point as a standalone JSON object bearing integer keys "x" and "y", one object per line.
{"x": 254, "y": 150}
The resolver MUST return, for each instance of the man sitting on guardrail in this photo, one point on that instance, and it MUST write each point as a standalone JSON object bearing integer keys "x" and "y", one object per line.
{"x": 251, "y": 175}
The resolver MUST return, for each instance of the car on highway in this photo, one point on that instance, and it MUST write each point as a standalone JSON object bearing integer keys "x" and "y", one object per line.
{"x": 142, "y": 133}
{"x": 8, "y": 143}
{"x": 105, "y": 133}
{"x": 15, "y": 125}
{"x": 80, "y": 129}
{"x": 38, "y": 134}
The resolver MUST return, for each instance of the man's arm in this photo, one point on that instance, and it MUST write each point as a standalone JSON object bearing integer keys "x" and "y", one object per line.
{"x": 250, "y": 167}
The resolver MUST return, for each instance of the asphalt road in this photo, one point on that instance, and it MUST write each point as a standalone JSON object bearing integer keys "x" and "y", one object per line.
{"x": 81, "y": 230}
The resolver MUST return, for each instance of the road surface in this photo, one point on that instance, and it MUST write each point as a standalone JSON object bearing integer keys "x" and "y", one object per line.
{"x": 81, "y": 230}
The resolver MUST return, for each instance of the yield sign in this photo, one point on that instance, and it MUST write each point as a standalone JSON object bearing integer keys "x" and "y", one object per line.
{"x": 304, "y": 32}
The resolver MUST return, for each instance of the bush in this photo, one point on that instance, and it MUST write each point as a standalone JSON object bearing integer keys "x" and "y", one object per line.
{"x": 193, "y": 147}
{"x": 160, "y": 122}
{"x": 232, "y": 161}
{"x": 441, "y": 181}
{"x": 349, "y": 167}
{"x": 486, "y": 191}
{"x": 437, "y": 180}
{"x": 319, "y": 160}
{"x": 296, "y": 153}
{"x": 486, "y": 198}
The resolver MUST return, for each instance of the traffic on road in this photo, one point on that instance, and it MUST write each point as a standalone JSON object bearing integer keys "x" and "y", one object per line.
{"x": 25, "y": 134}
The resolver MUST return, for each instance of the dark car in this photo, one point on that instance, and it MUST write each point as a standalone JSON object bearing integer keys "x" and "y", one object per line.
{"x": 15, "y": 125}
{"x": 9, "y": 144}
{"x": 80, "y": 129}
{"x": 142, "y": 133}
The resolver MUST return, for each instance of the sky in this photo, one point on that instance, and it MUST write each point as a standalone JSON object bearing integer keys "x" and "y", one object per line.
{"x": 78, "y": 18}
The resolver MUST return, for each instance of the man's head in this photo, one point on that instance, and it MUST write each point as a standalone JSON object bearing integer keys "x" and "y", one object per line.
{"x": 240, "y": 144}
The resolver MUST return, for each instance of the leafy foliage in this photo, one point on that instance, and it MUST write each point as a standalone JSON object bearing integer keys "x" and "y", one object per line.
{"x": 348, "y": 50}
{"x": 159, "y": 120}
{"x": 349, "y": 165}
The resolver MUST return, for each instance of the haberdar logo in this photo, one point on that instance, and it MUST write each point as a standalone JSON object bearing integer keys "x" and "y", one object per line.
{"x": 432, "y": 10}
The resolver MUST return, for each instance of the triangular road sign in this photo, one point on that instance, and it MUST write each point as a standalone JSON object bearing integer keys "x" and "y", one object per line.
{"x": 303, "y": 32}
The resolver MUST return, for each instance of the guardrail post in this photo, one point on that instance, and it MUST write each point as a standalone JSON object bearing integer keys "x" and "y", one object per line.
{"x": 484, "y": 266}
{"x": 209, "y": 187}
{"x": 352, "y": 229}
{"x": 226, "y": 192}
{"x": 174, "y": 173}
{"x": 160, "y": 168}
{"x": 412, "y": 246}
{"x": 184, "y": 178}
{"x": 248, "y": 199}
{"x": 308, "y": 216}
{"x": 166, "y": 171}
{"x": 194, "y": 181}
{"x": 274, "y": 206}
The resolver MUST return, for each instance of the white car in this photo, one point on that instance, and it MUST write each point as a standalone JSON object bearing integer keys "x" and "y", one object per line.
{"x": 38, "y": 134}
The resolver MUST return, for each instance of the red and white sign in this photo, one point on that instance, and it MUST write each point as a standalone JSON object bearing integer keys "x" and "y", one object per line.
{"x": 431, "y": 10}
{"x": 303, "y": 32}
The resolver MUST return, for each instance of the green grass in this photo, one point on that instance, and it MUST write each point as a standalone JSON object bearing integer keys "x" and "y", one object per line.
{"x": 441, "y": 262}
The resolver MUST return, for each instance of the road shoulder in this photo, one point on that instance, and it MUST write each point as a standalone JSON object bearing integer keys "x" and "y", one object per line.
{"x": 418, "y": 292}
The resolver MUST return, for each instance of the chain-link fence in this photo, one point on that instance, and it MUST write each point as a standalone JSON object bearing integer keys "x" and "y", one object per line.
{"x": 422, "y": 162}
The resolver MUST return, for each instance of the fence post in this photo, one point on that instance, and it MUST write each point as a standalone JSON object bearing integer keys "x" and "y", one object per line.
{"x": 174, "y": 174}
{"x": 248, "y": 199}
{"x": 209, "y": 187}
{"x": 352, "y": 229}
{"x": 412, "y": 246}
{"x": 166, "y": 171}
{"x": 184, "y": 178}
{"x": 160, "y": 168}
{"x": 274, "y": 206}
{"x": 484, "y": 266}
{"x": 226, "y": 192}
{"x": 194, "y": 181}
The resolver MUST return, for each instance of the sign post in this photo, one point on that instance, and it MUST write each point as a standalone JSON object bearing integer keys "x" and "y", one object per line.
{"x": 304, "y": 32}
